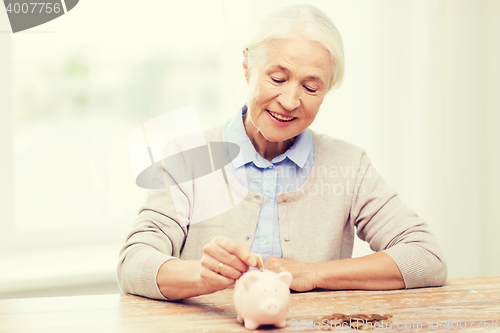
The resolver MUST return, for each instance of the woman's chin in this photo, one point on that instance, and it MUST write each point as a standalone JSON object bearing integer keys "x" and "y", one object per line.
{"x": 275, "y": 137}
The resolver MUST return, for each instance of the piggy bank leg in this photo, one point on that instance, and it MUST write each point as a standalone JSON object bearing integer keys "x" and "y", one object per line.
{"x": 250, "y": 324}
{"x": 281, "y": 323}
{"x": 239, "y": 319}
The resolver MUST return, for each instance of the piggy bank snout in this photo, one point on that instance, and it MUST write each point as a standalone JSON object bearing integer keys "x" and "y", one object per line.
{"x": 270, "y": 306}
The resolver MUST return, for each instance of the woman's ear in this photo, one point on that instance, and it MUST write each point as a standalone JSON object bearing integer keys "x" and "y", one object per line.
{"x": 245, "y": 65}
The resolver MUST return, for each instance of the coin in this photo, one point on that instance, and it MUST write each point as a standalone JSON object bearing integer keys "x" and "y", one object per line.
{"x": 358, "y": 321}
{"x": 378, "y": 317}
{"x": 260, "y": 261}
{"x": 338, "y": 316}
{"x": 356, "y": 325}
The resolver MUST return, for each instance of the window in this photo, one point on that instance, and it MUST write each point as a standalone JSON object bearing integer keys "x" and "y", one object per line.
{"x": 70, "y": 97}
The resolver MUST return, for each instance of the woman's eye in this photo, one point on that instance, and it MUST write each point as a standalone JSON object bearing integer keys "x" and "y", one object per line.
{"x": 310, "y": 89}
{"x": 278, "y": 80}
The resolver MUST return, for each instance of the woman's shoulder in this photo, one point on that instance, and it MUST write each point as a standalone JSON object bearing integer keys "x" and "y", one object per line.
{"x": 331, "y": 146}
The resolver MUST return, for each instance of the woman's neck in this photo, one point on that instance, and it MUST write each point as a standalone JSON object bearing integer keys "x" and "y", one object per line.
{"x": 264, "y": 147}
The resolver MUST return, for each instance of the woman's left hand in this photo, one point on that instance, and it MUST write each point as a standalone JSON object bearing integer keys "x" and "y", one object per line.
{"x": 303, "y": 272}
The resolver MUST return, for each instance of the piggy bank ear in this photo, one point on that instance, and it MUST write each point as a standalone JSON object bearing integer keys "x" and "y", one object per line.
{"x": 249, "y": 280}
{"x": 286, "y": 278}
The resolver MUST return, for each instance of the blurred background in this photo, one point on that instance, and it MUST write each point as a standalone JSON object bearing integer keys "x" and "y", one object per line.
{"x": 420, "y": 95}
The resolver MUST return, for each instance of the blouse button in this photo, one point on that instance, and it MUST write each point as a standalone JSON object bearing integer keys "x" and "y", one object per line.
{"x": 268, "y": 201}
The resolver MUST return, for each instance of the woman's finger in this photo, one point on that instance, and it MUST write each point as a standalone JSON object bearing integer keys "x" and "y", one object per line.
{"x": 236, "y": 249}
{"x": 220, "y": 268}
{"x": 217, "y": 249}
{"x": 215, "y": 281}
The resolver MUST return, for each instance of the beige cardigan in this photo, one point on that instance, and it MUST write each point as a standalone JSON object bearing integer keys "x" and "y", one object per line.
{"x": 343, "y": 193}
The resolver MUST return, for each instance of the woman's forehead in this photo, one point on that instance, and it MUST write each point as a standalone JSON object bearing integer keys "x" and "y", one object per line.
{"x": 298, "y": 56}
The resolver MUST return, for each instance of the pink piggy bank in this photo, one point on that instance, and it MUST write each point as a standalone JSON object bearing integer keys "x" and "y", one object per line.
{"x": 262, "y": 298}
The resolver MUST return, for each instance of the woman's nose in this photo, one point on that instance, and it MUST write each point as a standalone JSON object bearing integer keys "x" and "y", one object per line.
{"x": 289, "y": 98}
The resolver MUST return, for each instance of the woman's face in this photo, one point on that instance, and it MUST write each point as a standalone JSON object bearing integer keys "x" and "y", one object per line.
{"x": 287, "y": 88}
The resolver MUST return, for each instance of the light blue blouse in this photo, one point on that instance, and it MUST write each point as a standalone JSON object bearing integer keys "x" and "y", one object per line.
{"x": 285, "y": 173}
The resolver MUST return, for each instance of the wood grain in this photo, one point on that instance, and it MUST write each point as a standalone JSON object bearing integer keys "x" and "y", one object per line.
{"x": 460, "y": 299}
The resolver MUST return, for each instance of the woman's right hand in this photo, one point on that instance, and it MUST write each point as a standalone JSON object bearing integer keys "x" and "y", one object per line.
{"x": 235, "y": 260}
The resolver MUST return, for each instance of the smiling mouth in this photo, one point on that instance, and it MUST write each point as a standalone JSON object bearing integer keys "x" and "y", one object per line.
{"x": 280, "y": 117}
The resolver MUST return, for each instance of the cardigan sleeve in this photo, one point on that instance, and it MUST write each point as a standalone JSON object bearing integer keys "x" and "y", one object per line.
{"x": 155, "y": 238}
{"x": 384, "y": 221}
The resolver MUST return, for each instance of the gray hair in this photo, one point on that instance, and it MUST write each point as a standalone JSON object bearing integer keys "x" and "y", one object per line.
{"x": 303, "y": 20}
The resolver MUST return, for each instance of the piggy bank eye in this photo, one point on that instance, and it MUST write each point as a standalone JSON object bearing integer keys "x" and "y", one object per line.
{"x": 276, "y": 290}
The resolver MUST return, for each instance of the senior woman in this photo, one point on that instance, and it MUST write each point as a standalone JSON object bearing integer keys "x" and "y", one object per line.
{"x": 307, "y": 193}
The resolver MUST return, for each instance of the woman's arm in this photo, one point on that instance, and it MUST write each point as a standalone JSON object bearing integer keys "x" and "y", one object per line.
{"x": 155, "y": 238}
{"x": 407, "y": 253}
{"x": 149, "y": 264}
{"x": 376, "y": 271}
{"x": 179, "y": 279}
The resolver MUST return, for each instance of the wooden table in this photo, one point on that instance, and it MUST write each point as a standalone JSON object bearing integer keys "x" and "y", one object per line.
{"x": 461, "y": 299}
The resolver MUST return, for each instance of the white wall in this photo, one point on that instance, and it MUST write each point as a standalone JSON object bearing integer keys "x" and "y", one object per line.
{"x": 6, "y": 187}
